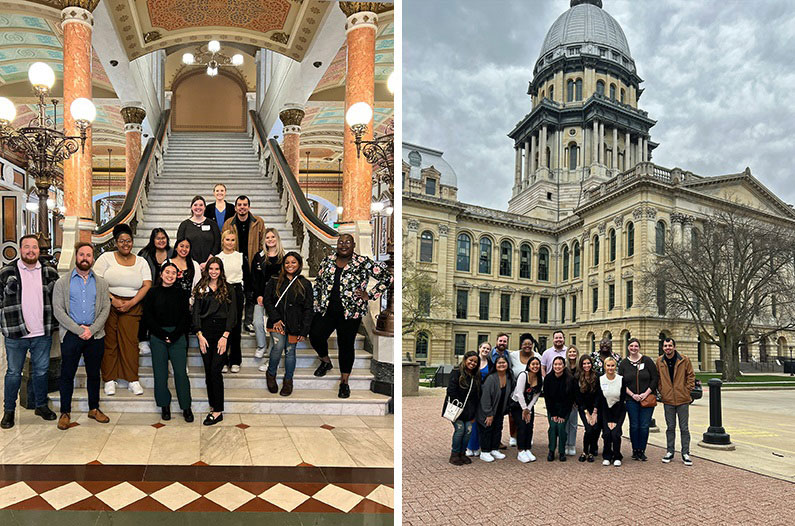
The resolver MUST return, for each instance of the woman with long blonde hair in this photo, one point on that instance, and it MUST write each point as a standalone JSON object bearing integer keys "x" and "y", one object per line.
{"x": 233, "y": 268}
{"x": 266, "y": 264}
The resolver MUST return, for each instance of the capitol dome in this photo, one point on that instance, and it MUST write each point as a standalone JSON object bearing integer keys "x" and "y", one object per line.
{"x": 586, "y": 24}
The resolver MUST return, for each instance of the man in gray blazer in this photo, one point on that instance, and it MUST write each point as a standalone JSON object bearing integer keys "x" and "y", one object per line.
{"x": 81, "y": 305}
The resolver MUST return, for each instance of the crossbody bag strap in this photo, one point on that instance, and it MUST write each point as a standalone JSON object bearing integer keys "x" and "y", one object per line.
{"x": 471, "y": 381}
{"x": 285, "y": 292}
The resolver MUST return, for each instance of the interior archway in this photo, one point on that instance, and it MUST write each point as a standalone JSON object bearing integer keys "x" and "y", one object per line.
{"x": 201, "y": 103}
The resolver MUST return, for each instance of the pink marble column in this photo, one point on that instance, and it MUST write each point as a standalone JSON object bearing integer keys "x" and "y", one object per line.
{"x": 291, "y": 117}
{"x": 77, "y": 23}
{"x": 133, "y": 117}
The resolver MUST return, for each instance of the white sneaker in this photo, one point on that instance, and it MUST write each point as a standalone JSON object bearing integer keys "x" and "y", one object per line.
{"x": 616, "y": 463}
{"x": 260, "y": 352}
{"x": 225, "y": 369}
{"x": 264, "y": 367}
{"x": 486, "y": 457}
{"x": 477, "y": 452}
{"x": 110, "y": 388}
{"x": 496, "y": 454}
{"x": 522, "y": 457}
{"x": 512, "y": 442}
{"x": 687, "y": 460}
{"x": 144, "y": 348}
{"x": 530, "y": 456}
{"x": 135, "y": 388}
{"x": 571, "y": 451}
{"x": 235, "y": 369}
{"x": 605, "y": 462}
{"x": 470, "y": 453}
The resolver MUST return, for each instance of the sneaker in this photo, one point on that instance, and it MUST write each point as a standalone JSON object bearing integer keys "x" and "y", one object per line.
{"x": 470, "y": 453}
{"x": 562, "y": 458}
{"x": 686, "y": 459}
{"x": 110, "y": 388}
{"x": 605, "y": 462}
{"x": 144, "y": 348}
{"x": 496, "y": 454}
{"x": 323, "y": 368}
{"x": 250, "y": 328}
{"x": 135, "y": 388}
{"x": 486, "y": 457}
{"x": 530, "y": 456}
{"x": 635, "y": 454}
{"x": 512, "y": 442}
{"x": 262, "y": 368}
{"x": 260, "y": 352}
{"x": 477, "y": 452}
{"x": 642, "y": 456}
{"x": 225, "y": 369}
{"x": 668, "y": 458}
{"x": 571, "y": 451}
{"x": 616, "y": 463}
{"x": 235, "y": 368}
{"x": 521, "y": 457}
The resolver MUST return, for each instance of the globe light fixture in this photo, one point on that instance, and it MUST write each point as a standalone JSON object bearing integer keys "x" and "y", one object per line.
{"x": 212, "y": 71}
{"x": 188, "y": 59}
{"x": 359, "y": 114}
{"x": 390, "y": 83}
{"x": 237, "y": 59}
{"x": 376, "y": 207}
{"x": 211, "y": 58}
{"x": 7, "y": 111}
{"x": 83, "y": 111}
{"x": 41, "y": 76}
{"x": 50, "y": 203}
{"x": 214, "y": 46}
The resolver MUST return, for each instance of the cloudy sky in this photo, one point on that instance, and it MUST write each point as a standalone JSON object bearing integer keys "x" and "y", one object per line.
{"x": 719, "y": 80}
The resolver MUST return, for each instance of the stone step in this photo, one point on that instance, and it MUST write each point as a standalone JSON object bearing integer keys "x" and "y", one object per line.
{"x": 251, "y": 378}
{"x": 302, "y": 401}
{"x": 304, "y": 361}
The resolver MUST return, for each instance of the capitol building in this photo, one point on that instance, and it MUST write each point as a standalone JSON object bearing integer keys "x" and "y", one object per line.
{"x": 588, "y": 209}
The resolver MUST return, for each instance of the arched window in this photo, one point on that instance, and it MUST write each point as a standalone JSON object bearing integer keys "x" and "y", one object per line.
{"x": 506, "y": 255}
{"x": 463, "y": 252}
{"x": 592, "y": 337}
{"x": 543, "y": 94}
{"x": 578, "y": 89}
{"x": 600, "y": 87}
{"x": 576, "y": 264}
{"x": 565, "y": 263}
{"x": 426, "y": 246}
{"x": 630, "y": 239}
{"x": 552, "y": 93}
{"x": 660, "y": 238}
{"x": 569, "y": 90}
{"x": 525, "y": 259}
{"x": 543, "y": 264}
{"x": 622, "y": 95}
{"x": 421, "y": 347}
{"x": 484, "y": 265}
{"x": 612, "y": 241}
{"x": 612, "y": 92}
{"x": 596, "y": 250}
{"x": 573, "y": 150}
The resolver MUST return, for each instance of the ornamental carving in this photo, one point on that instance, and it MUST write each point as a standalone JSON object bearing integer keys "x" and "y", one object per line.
{"x": 610, "y": 278}
{"x": 677, "y": 218}
{"x": 413, "y": 225}
{"x": 593, "y": 281}
{"x": 602, "y": 228}
{"x": 627, "y": 274}
{"x": 88, "y": 5}
{"x": 133, "y": 115}
{"x": 261, "y": 16}
{"x": 291, "y": 116}
{"x": 651, "y": 212}
{"x": 444, "y": 230}
{"x": 637, "y": 214}
{"x": 280, "y": 37}
{"x": 688, "y": 220}
{"x": 351, "y": 8}
{"x": 618, "y": 220}
{"x": 151, "y": 36}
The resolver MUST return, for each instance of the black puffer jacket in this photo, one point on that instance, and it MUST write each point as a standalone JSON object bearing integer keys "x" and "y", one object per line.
{"x": 456, "y": 392}
{"x": 296, "y": 308}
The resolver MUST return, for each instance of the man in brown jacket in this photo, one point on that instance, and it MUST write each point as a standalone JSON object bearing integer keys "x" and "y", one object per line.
{"x": 250, "y": 231}
{"x": 677, "y": 380}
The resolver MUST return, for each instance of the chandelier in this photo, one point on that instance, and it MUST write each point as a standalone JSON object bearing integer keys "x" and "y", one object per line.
{"x": 212, "y": 58}
{"x": 44, "y": 146}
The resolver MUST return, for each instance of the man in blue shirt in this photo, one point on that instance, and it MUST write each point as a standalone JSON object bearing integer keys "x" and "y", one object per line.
{"x": 81, "y": 305}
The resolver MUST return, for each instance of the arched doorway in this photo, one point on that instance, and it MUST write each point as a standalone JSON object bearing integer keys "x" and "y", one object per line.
{"x": 201, "y": 103}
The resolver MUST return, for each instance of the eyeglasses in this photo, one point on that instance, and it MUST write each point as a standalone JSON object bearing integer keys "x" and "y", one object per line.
{"x": 124, "y": 242}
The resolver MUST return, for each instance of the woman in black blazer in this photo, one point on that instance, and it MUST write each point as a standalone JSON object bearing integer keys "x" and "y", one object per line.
{"x": 219, "y": 191}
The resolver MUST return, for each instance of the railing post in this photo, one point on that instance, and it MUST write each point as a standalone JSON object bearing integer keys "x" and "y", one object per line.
{"x": 716, "y": 437}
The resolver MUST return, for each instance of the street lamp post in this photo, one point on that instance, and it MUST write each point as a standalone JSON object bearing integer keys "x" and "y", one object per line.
{"x": 41, "y": 143}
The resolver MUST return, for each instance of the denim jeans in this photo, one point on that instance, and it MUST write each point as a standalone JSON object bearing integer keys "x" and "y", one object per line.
{"x": 461, "y": 433}
{"x": 280, "y": 344}
{"x": 671, "y": 413}
{"x": 16, "y": 351}
{"x": 639, "y": 422}
{"x": 259, "y": 325}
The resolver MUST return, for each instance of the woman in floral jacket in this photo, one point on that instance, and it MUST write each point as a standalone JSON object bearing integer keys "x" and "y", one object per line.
{"x": 340, "y": 304}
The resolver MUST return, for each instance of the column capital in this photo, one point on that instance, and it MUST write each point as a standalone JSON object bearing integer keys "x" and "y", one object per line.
{"x": 291, "y": 116}
{"x": 351, "y": 8}
{"x": 362, "y": 14}
{"x": 78, "y": 11}
{"x": 133, "y": 115}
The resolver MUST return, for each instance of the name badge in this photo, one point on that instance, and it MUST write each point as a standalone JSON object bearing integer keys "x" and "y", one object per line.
{"x": 205, "y": 228}
{"x": 640, "y": 367}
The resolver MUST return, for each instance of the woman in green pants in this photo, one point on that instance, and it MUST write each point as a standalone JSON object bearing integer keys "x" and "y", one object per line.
{"x": 167, "y": 317}
{"x": 559, "y": 393}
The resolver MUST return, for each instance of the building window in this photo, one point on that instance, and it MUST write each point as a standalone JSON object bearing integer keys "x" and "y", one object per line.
{"x": 424, "y": 301}
{"x": 542, "y": 344}
{"x": 570, "y": 90}
{"x": 574, "y": 308}
{"x": 430, "y": 186}
{"x": 595, "y": 298}
{"x": 525, "y": 309}
{"x": 482, "y": 338}
{"x": 484, "y": 265}
{"x": 506, "y": 255}
{"x": 426, "y": 246}
{"x": 630, "y": 239}
{"x": 593, "y": 343}
{"x": 463, "y": 252}
{"x": 660, "y": 238}
{"x": 611, "y": 296}
{"x": 525, "y": 257}
{"x": 552, "y": 93}
{"x": 630, "y": 297}
{"x": 543, "y": 310}
{"x": 543, "y": 264}
{"x": 596, "y": 250}
{"x": 578, "y": 89}
{"x": 573, "y": 151}
{"x": 661, "y": 298}
{"x": 505, "y": 307}
{"x": 484, "y": 305}
{"x": 600, "y": 88}
{"x": 576, "y": 273}
{"x": 565, "y": 263}
{"x": 612, "y": 241}
{"x": 421, "y": 347}
{"x": 612, "y": 92}
{"x": 563, "y": 310}
{"x": 460, "y": 344}
{"x": 461, "y": 304}
{"x": 622, "y": 95}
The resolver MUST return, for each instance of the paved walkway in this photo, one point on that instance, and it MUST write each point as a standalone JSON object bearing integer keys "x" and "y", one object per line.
{"x": 673, "y": 494}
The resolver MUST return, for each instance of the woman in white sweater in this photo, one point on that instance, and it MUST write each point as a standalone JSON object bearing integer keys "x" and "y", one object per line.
{"x": 233, "y": 268}
{"x": 526, "y": 393}
{"x": 613, "y": 410}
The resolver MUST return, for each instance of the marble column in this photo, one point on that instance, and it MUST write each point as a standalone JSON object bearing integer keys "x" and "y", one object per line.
{"x": 291, "y": 116}
{"x": 543, "y": 155}
{"x": 644, "y": 150}
{"x": 133, "y": 118}
{"x": 77, "y": 23}
{"x": 533, "y": 158}
{"x": 602, "y": 159}
{"x": 595, "y": 143}
{"x": 627, "y": 151}
{"x": 615, "y": 148}
{"x": 517, "y": 178}
{"x": 527, "y": 154}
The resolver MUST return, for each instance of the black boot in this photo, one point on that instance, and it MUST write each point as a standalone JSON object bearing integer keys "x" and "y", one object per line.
{"x": 345, "y": 391}
{"x": 45, "y": 412}
{"x": 188, "y": 414}
{"x": 323, "y": 368}
{"x": 165, "y": 413}
{"x": 8, "y": 420}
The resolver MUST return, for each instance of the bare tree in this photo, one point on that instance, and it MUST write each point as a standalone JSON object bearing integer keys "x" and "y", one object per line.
{"x": 734, "y": 279}
{"x": 422, "y": 295}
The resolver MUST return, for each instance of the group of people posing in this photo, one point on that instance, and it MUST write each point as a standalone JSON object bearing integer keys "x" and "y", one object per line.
{"x": 599, "y": 389}
{"x": 226, "y": 272}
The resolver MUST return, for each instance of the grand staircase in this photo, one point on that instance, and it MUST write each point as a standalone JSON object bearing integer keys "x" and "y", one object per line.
{"x": 193, "y": 164}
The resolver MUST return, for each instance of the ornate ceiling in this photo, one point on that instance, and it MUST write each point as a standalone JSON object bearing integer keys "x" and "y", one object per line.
{"x": 246, "y": 72}
{"x": 285, "y": 26}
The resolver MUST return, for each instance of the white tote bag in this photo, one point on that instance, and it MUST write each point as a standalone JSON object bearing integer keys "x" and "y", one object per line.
{"x": 455, "y": 408}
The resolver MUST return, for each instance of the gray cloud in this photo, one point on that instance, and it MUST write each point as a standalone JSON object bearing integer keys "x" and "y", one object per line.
{"x": 718, "y": 79}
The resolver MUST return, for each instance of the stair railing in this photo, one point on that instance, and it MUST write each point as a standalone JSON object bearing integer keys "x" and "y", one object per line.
{"x": 314, "y": 237}
{"x": 149, "y": 168}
